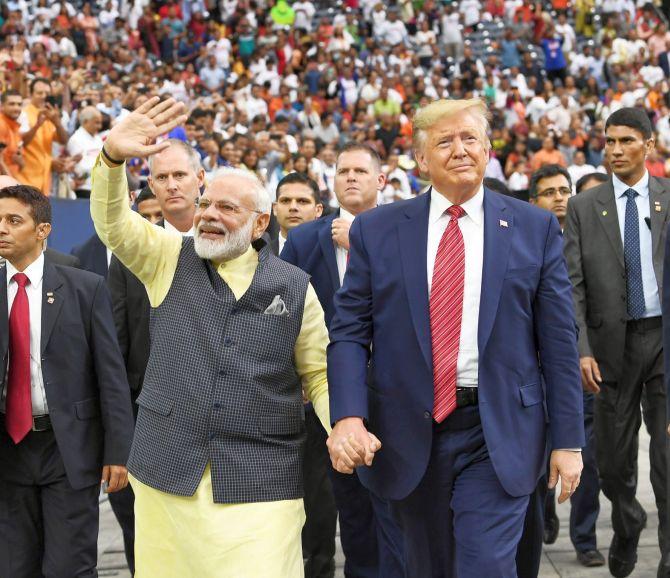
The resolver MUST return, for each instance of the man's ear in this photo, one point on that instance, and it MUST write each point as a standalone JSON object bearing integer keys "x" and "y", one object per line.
{"x": 43, "y": 231}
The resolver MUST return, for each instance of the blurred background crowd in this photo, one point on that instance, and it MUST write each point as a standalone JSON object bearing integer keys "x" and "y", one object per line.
{"x": 274, "y": 86}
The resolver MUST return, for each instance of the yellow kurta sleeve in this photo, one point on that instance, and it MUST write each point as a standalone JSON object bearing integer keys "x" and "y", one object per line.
{"x": 310, "y": 356}
{"x": 149, "y": 251}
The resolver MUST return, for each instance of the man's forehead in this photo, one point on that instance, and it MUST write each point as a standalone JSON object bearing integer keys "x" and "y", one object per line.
{"x": 229, "y": 188}
{"x": 621, "y": 131}
{"x": 171, "y": 160}
{"x": 295, "y": 190}
{"x": 556, "y": 181}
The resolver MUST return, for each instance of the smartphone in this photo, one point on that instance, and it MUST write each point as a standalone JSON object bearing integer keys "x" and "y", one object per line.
{"x": 54, "y": 100}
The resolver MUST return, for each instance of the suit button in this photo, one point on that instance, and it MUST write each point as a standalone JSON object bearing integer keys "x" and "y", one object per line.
{"x": 211, "y": 437}
{"x": 228, "y": 342}
{"x": 234, "y": 311}
{"x": 222, "y": 372}
{"x": 427, "y": 415}
{"x": 217, "y": 406}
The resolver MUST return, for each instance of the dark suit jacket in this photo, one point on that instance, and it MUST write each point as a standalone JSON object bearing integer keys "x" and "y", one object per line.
{"x": 526, "y": 336}
{"x": 83, "y": 372}
{"x": 58, "y": 258}
{"x": 594, "y": 252}
{"x": 131, "y": 317}
{"x": 310, "y": 246}
{"x": 93, "y": 255}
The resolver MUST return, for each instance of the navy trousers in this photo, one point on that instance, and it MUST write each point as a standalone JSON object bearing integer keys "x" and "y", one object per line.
{"x": 371, "y": 539}
{"x": 459, "y": 521}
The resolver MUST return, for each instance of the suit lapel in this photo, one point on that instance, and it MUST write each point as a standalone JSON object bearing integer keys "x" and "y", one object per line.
{"x": 100, "y": 258}
{"x": 607, "y": 215}
{"x": 52, "y": 300}
{"x": 4, "y": 320}
{"x": 413, "y": 240}
{"x": 497, "y": 243}
{"x": 659, "y": 199}
{"x": 328, "y": 249}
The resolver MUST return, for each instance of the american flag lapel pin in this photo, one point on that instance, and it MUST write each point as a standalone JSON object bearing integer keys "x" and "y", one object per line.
{"x": 503, "y": 224}
{"x": 50, "y": 297}
{"x": 657, "y": 206}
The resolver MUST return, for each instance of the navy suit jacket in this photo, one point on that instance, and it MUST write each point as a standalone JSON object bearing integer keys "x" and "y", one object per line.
{"x": 310, "y": 247}
{"x": 529, "y": 379}
{"x": 93, "y": 255}
{"x": 84, "y": 377}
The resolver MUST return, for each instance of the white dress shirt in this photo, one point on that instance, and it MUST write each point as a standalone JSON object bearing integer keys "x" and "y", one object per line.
{"x": 34, "y": 272}
{"x": 472, "y": 229}
{"x": 281, "y": 242}
{"x": 170, "y": 227}
{"x": 651, "y": 300}
{"x": 341, "y": 253}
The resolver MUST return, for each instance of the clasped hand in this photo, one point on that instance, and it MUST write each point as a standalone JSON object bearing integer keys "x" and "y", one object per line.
{"x": 350, "y": 445}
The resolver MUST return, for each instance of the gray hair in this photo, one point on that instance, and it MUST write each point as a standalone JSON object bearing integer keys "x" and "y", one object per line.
{"x": 192, "y": 155}
{"x": 263, "y": 202}
{"x": 88, "y": 113}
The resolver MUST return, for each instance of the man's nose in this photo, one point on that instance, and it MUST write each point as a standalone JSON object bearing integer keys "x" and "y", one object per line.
{"x": 457, "y": 148}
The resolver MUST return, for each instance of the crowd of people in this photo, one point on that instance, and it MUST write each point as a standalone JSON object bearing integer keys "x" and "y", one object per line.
{"x": 251, "y": 129}
{"x": 274, "y": 87}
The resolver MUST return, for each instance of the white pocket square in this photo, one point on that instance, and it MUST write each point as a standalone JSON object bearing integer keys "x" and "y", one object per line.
{"x": 277, "y": 307}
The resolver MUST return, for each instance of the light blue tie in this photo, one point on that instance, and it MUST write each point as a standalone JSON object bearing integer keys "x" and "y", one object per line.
{"x": 631, "y": 253}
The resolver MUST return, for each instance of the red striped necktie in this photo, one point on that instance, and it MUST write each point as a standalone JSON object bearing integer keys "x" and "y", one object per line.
{"x": 18, "y": 405}
{"x": 446, "y": 313}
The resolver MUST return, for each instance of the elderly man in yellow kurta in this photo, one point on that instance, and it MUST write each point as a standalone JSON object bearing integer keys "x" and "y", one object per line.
{"x": 236, "y": 335}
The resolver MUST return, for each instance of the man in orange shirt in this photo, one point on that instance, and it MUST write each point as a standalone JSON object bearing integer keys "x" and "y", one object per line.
{"x": 10, "y": 109}
{"x": 40, "y": 126}
{"x": 548, "y": 155}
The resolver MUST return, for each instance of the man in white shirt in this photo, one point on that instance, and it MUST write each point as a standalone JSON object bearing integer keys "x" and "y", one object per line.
{"x": 393, "y": 30}
{"x": 65, "y": 413}
{"x": 255, "y": 105}
{"x": 87, "y": 142}
{"x": 579, "y": 168}
{"x": 453, "y": 333}
{"x": 370, "y": 538}
{"x": 298, "y": 202}
{"x": 212, "y": 75}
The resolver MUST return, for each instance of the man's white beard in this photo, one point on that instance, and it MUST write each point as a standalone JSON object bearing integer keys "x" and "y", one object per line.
{"x": 232, "y": 245}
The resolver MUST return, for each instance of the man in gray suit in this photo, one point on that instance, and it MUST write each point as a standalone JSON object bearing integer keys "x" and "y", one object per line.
{"x": 614, "y": 247}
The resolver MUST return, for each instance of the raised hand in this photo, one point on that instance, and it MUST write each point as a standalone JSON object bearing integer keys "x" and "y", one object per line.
{"x": 135, "y": 135}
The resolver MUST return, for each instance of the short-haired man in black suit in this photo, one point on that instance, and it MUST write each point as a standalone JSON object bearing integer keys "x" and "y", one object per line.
{"x": 614, "y": 237}
{"x": 65, "y": 415}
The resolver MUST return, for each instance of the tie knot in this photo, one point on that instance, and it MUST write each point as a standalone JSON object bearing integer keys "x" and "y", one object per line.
{"x": 631, "y": 194}
{"x": 456, "y": 211}
{"x": 21, "y": 279}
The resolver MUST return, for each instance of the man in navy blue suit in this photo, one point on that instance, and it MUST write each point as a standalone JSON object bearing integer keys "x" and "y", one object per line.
{"x": 371, "y": 540}
{"x": 455, "y": 309}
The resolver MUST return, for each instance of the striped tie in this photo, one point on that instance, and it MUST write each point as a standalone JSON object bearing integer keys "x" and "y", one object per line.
{"x": 446, "y": 312}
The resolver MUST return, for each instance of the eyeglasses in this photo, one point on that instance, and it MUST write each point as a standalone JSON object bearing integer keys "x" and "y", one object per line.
{"x": 223, "y": 207}
{"x": 562, "y": 192}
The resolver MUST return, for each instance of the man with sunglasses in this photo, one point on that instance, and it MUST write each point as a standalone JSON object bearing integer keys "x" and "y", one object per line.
{"x": 236, "y": 335}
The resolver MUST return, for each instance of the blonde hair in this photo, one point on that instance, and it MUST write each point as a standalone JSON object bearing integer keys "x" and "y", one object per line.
{"x": 426, "y": 117}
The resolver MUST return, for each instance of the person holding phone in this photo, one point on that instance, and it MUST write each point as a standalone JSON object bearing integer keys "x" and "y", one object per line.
{"x": 40, "y": 125}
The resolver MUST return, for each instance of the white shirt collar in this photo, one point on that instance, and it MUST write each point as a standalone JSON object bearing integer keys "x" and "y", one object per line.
{"x": 170, "y": 227}
{"x": 34, "y": 271}
{"x": 473, "y": 207}
{"x": 346, "y": 215}
{"x": 641, "y": 187}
